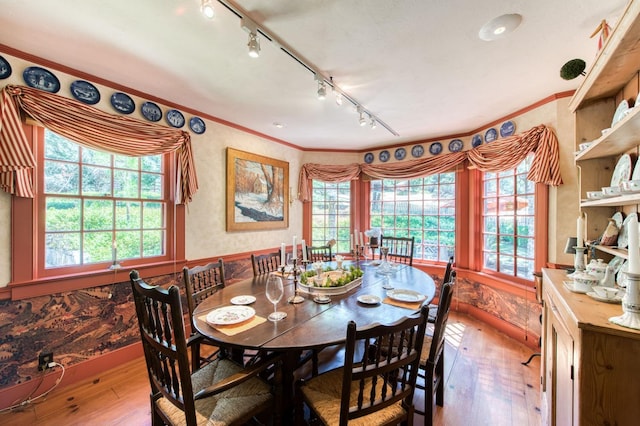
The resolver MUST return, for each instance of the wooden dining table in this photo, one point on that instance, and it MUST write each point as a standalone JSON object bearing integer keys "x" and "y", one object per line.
{"x": 311, "y": 325}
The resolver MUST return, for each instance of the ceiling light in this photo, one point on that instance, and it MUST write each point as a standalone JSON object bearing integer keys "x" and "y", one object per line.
{"x": 254, "y": 45}
{"x": 206, "y": 7}
{"x": 339, "y": 98}
{"x": 278, "y": 125}
{"x": 500, "y": 26}
{"x": 322, "y": 90}
{"x": 373, "y": 124}
{"x": 363, "y": 121}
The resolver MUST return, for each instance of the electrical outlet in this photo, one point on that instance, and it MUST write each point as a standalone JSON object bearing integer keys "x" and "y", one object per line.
{"x": 44, "y": 359}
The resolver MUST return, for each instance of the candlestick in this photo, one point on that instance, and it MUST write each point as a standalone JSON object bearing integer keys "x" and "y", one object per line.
{"x": 294, "y": 250}
{"x": 296, "y": 298}
{"x": 630, "y": 303}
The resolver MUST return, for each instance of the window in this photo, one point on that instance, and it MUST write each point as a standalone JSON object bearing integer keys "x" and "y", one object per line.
{"x": 508, "y": 222}
{"x": 331, "y": 214}
{"x": 423, "y": 208}
{"x": 98, "y": 207}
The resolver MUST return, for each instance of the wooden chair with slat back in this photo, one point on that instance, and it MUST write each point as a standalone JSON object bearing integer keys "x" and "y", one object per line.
{"x": 376, "y": 384}
{"x": 265, "y": 263}
{"x": 432, "y": 359}
{"x": 433, "y": 307}
{"x": 201, "y": 282}
{"x": 319, "y": 253}
{"x": 221, "y": 392}
{"x": 400, "y": 249}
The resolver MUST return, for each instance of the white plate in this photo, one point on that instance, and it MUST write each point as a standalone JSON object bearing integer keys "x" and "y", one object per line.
{"x": 636, "y": 171}
{"x": 569, "y": 286}
{"x": 621, "y": 111}
{"x": 621, "y": 278}
{"x": 404, "y": 295}
{"x": 243, "y": 300}
{"x": 623, "y": 233}
{"x": 368, "y": 299}
{"x": 619, "y": 218}
{"x": 230, "y": 315}
{"x": 594, "y": 296}
{"x": 622, "y": 170}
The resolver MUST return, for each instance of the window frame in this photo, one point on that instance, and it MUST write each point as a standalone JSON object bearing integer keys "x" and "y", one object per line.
{"x": 311, "y": 214}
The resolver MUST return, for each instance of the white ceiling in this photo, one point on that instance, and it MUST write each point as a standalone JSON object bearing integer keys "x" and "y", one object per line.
{"x": 418, "y": 65}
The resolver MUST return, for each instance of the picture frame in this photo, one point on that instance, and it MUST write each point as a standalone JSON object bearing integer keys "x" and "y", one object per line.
{"x": 257, "y": 192}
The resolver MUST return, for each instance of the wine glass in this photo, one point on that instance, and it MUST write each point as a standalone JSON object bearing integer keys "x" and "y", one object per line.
{"x": 274, "y": 292}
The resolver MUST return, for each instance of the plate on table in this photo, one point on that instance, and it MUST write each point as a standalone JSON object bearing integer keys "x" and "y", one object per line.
{"x": 435, "y": 148}
{"x": 622, "y": 171}
{"x": 175, "y": 118}
{"x": 197, "y": 126}
{"x": 5, "y": 68}
{"x": 123, "y": 103}
{"x": 243, "y": 300}
{"x": 228, "y": 315}
{"x": 455, "y": 145}
{"x": 151, "y": 111}
{"x": 593, "y": 295}
{"x": 507, "y": 129}
{"x": 476, "y": 141}
{"x": 490, "y": 135}
{"x": 621, "y": 111}
{"x": 405, "y": 295}
{"x": 85, "y": 92}
{"x": 417, "y": 151}
{"x": 368, "y": 299}
{"x": 40, "y": 78}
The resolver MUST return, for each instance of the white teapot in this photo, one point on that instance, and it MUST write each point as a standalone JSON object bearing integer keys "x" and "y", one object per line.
{"x": 597, "y": 268}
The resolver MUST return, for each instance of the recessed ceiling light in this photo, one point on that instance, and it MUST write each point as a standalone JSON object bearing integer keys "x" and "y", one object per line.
{"x": 500, "y": 26}
{"x": 278, "y": 125}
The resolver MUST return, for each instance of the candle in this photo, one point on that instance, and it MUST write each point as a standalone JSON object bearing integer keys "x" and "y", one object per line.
{"x": 355, "y": 232}
{"x": 304, "y": 251}
{"x": 114, "y": 251}
{"x": 634, "y": 246}
{"x": 361, "y": 239}
{"x": 580, "y": 230}
{"x": 351, "y": 242}
{"x": 282, "y": 254}
{"x": 294, "y": 250}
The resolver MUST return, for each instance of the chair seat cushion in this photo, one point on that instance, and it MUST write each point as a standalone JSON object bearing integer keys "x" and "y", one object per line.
{"x": 226, "y": 407}
{"x": 323, "y": 395}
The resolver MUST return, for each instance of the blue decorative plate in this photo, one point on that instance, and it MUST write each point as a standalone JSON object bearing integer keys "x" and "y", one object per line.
{"x": 400, "y": 153}
{"x": 435, "y": 148}
{"x": 368, "y": 158}
{"x": 42, "y": 79}
{"x": 455, "y": 145}
{"x": 476, "y": 140}
{"x": 85, "y": 92}
{"x": 384, "y": 156}
{"x": 5, "y": 68}
{"x": 490, "y": 135}
{"x": 123, "y": 103}
{"x": 175, "y": 118}
{"x": 417, "y": 151}
{"x": 196, "y": 124}
{"x": 151, "y": 111}
{"x": 507, "y": 129}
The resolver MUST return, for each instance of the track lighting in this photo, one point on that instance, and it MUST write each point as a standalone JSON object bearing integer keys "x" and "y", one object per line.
{"x": 206, "y": 7}
{"x": 322, "y": 90}
{"x": 374, "y": 124}
{"x": 363, "y": 120}
{"x": 254, "y": 45}
{"x": 339, "y": 98}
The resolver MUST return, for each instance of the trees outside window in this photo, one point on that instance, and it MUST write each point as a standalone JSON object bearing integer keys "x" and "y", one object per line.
{"x": 331, "y": 214}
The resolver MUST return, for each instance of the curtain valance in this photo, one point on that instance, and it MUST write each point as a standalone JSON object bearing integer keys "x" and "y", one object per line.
{"x": 89, "y": 127}
{"x": 498, "y": 156}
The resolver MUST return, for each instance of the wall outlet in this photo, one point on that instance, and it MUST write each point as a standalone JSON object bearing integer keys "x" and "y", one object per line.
{"x": 44, "y": 359}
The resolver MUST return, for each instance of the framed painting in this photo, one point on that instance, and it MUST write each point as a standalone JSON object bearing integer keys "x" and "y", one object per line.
{"x": 257, "y": 196}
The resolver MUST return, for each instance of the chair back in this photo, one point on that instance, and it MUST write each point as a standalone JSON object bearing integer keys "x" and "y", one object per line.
{"x": 319, "y": 254}
{"x": 265, "y": 263}
{"x": 442, "y": 316}
{"x": 201, "y": 282}
{"x": 400, "y": 248}
{"x": 162, "y": 332}
{"x": 447, "y": 271}
{"x": 386, "y": 370}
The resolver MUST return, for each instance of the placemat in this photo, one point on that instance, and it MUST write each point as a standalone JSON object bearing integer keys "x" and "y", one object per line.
{"x": 233, "y": 329}
{"x": 407, "y": 305}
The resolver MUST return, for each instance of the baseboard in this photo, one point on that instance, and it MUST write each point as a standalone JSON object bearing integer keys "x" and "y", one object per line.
{"x": 73, "y": 374}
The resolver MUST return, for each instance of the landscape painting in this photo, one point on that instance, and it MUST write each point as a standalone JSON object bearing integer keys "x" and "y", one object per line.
{"x": 257, "y": 196}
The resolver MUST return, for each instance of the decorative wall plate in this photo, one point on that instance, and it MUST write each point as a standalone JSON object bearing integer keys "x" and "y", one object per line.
{"x": 417, "y": 151}
{"x": 151, "y": 111}
{"x": 476, "y": 140}
{"x": 621, "y": 111}
{"x": 175, "y": 118}
{"x": 636, "y": 171}
{"x": 435, "y": 148}
{"x": 42, "y": 79}
{"x": 368, "y": 158}
{"x": 384, "y": 156}
{"x": 400, "y": 153}
{"x": 490, "y": 135}
{"x": 85, "y": 92}
{"x": 455, "y": 145}
{"x": 196, "y": 124}
{"x": 622, "y": 171}
{"x": 123, "y": 103}
{"x": 5, "y": 68}
{"x": 507, "y": 129}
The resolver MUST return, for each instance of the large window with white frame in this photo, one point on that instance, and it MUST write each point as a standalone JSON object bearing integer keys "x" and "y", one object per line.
{"x": 423, "y": 208}
{"x": 331, "y": 214}
{"x": 508, "y": 221}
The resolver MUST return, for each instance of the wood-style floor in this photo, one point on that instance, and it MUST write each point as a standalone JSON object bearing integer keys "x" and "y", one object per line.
{"x": 486, "y": 385}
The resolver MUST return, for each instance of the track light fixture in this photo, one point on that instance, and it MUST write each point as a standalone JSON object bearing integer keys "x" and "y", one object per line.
{"x": 374, "y": 124}
{"x": 254, "y": 45}
{"x": 362, "y": 120}
{"x": 322, "y": 90}
{"x": 206, "y": 7}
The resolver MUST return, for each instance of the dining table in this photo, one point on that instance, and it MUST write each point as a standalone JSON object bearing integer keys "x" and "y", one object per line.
{"x": 310, "y": 325}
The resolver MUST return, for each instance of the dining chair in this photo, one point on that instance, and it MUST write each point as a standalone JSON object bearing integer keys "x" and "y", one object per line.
{"x": 400, "y": 248}
{"x": 221, "y": 392}
{"x": 319, "y": 253}
{"x": 433, "y": 307}
{"x": 376, "y": 384}
{"x": 265, "y": 263}
{"x": 201, "y": 282}
{"x": 431, "y": 371}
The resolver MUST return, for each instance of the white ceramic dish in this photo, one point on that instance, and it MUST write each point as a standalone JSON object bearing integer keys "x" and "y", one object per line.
{"x": 405, "y": 295}
{"x": 622, "y": 170}
{"x": 595, "y": 296}
{"x": 631, "y": 186}
{"x": 606, "y": 292}
{"x": 621, "y": 111}
{"x": 229, "y": 315}
{"x": 368, "y": 299}
{"x": 570, "y": 285}
{"x": 623, "y": 234}
{"x": 243, "y": 300}
{"x": 594, "y": 195}
{"x": 611, "y": 191}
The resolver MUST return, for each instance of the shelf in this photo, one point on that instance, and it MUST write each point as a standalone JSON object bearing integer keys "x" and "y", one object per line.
{"x": 615, "y": 63}
{"x": 623, "y": 253}
{"x": 621, "y": 200}
{"x": 621, "y": 138}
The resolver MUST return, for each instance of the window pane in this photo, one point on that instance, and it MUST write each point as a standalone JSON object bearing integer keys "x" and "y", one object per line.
{"x": 59, "y": 148}
{"x": 61, "y": 178}
{"x": 98, "y": 158}
{"x": 62, "y": 249}
{"x": 152, "y": 243}
{"x": 97, "y": 247}
{"x": 62, "y": 214}
{"x": 151, "y": 164}
{"x": 125, "y": 184}
{"x": 126, "y": 162}
{"x": 331, "y": 215}
{"x": 127, "y": 214}
{"x": 153, "y": 215}
{"x": 130, "y": 242}
{"x": 96, "y": 181}
{"x": 151, "y": 186}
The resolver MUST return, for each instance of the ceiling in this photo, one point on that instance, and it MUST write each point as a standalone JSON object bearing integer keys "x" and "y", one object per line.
{"x": 417, "y": 65}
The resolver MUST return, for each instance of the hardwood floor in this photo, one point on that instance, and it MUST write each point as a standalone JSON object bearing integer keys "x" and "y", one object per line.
{"x": 486, "y": 385}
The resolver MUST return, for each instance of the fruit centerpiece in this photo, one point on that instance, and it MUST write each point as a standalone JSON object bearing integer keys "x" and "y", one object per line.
{"x": 331, "y": 281}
